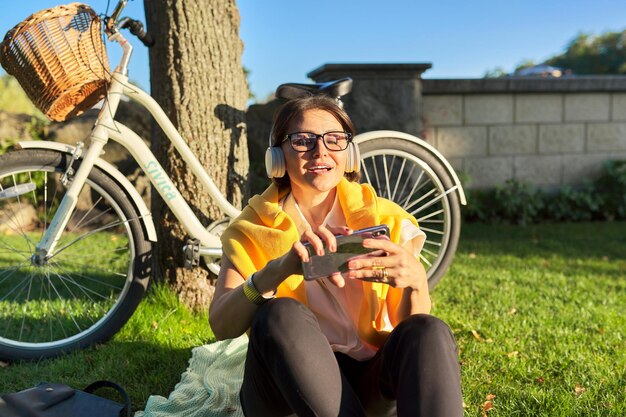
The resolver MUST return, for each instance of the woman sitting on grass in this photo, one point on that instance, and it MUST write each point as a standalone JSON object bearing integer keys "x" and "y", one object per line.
{"x": 343, "y": 345}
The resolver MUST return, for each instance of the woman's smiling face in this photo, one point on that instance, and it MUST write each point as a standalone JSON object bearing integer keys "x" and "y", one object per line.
{"x": 317, "y": 170}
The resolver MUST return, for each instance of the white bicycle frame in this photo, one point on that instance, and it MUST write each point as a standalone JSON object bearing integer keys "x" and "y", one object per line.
{"x": 107, "y": 128}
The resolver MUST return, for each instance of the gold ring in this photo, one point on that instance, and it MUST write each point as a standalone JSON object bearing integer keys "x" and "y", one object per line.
{"x": 385, "y": 276}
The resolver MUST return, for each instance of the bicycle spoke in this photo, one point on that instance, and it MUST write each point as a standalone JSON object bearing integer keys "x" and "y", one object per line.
{"x": 376, "y": 174}
{"x": 429, "y": 252}
{"x": 406, "y": 182}
{"x": 54, "y": 310}
{"x": 11, "y": 272}
{"x": 8, "y": 324}
{"x": 385, "y": 168}
{"x": 16, "y": 226}
{"x": 90, "y": 255}
{"x": 434, "y": 190}
{"x": 91, "y": 268}
{"x": 63, "y": 280}
{"x": 19, "y": 203}
{"x": 49, "y": 209}
{"x": 86, "y": 235}
{"x": 414, "y": 189}
{"x": 30, "y": 284}
{"x": 429, "y": 230}
{"x": 432, "y": 243}
{"x": 367, "y": 176}
{"x": 34, "y": 195}
{"x": 9, "y": 249}
{"x": 20, "y": 286}
{"x": 106, "y": 284}
{"x": 399, "y": 180}
{"x": 13, "y": 229}
{"x": 42, "y": 286}
{"x": 62, "y": 300}
{"x": 437, "y": 221}
{"x": 428, "y": 216}
{"x": 93, "y": 219}
{"x": 426, "y": 261}
{"x": 45, "y": 202}
{"x": 93, "y": 206}
{"x": 439, "y": 197}
{"x": 103, "y": 228}
{"x": 82, "y": 287}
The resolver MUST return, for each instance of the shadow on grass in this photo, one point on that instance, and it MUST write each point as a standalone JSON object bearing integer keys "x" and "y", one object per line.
{"x": 142, "y": 368}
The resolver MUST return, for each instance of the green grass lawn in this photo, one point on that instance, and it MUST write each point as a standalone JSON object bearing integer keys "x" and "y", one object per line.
{"x": 537, "y": 313}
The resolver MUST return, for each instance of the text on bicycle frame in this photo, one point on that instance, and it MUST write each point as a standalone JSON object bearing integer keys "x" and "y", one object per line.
{"x": 160, "y": 180}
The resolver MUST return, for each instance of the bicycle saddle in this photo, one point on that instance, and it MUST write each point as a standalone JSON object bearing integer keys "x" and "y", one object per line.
{"x": 335, "y": 89}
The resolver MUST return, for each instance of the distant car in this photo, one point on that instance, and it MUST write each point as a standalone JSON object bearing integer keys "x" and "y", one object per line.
{"x": 541, "y": 70}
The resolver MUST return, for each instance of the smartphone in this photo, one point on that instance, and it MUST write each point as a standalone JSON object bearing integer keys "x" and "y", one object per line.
{"x": 348, "y": 247}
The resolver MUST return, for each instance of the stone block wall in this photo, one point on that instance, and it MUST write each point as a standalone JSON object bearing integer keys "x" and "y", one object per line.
{"x": 548, "y": 132}
{"x": 545, "y": 132}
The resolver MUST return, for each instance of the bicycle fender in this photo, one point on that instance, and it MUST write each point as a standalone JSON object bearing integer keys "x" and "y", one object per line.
{"x": 112, "y": 171}
{"x": 377, "y": 134}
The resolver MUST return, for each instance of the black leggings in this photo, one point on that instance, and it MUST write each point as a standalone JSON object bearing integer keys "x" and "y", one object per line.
{"x": 291, "y": 370}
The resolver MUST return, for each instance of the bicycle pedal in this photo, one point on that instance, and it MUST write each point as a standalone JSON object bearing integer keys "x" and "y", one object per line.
{"x": 192, "y": 253}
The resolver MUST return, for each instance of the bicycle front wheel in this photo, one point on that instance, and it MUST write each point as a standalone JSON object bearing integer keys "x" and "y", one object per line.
{"x": 94, "y": 278}
{"x": 413, "y": 178}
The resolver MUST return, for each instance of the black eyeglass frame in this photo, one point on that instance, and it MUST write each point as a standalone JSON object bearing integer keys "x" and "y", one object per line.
{"x": 317, "y": 136}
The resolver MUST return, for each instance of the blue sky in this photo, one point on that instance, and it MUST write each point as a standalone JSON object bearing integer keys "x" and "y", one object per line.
{"x": 284, "y": 40}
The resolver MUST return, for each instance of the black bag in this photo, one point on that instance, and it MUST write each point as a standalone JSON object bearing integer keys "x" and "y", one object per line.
{"x": 60, "y": 400}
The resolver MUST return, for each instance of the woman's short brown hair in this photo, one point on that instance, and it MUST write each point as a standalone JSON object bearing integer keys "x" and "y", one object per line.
{"x": 296, "y": 107}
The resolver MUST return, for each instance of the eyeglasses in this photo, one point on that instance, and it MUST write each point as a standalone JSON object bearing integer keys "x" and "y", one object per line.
{"x": 306, "y": 141}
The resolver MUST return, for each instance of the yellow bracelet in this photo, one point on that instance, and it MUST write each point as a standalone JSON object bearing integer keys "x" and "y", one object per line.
{"x": 253, "y": 294}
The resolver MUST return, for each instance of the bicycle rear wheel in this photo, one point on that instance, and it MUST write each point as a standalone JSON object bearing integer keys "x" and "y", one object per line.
{"x": 412, "y": 177}
{"x": 96, "y": 275}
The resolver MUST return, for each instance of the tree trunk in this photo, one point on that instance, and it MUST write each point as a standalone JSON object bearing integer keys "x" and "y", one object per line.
{"x": 196, "y": 75}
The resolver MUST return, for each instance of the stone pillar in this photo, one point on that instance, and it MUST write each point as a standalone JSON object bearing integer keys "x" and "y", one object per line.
{"x": 384, "y": 96}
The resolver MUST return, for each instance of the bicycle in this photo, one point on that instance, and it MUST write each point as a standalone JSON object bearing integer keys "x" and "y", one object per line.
{"x": 60, "y": 203}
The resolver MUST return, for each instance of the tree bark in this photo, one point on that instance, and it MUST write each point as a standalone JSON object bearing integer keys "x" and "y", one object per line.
{"x": 196, "y": 75}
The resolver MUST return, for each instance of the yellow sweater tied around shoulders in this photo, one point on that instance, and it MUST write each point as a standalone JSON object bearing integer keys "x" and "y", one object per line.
{"x": 264, "y": 232}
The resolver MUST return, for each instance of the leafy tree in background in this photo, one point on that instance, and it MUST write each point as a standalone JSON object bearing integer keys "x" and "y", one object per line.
{"x": 588, "y": 54}
{"x": 497, "y": 72}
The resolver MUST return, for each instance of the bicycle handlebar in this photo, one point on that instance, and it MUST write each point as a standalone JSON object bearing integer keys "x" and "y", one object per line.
{"x": 111, "y": 21}
{"x": 136, "y": 28}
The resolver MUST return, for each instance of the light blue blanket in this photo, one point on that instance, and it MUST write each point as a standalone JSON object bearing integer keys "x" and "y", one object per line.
{"x": 210, "y": 385}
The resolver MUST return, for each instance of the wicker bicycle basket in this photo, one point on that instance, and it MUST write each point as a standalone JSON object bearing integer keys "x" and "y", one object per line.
{"x": 59, "y": 58}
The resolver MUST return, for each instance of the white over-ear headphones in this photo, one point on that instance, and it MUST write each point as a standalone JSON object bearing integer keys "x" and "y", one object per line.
{"x": 275, "y": 159}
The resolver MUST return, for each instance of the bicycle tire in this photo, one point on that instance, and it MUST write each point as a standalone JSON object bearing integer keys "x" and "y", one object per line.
{"x": 97, "y": 273}
{"x": 404, "y": 164}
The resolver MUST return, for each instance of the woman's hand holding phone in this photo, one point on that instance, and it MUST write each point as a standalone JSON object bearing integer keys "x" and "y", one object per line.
{"x": 318, "y": 243}
{"x": 398, "y": 268}
{"x": 347, "y": 246}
